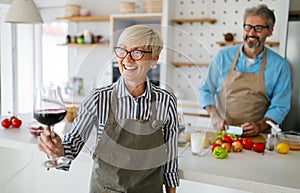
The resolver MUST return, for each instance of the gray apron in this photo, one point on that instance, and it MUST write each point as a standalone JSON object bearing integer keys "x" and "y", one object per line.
{"x": 130, "y": 154}
{"x": 243, "y": 95}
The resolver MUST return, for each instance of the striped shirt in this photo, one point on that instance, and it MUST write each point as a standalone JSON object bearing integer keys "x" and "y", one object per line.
{"x": 94, "y": 110}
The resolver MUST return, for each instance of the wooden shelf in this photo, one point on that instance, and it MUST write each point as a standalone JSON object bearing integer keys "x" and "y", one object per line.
{"x": 137, "y": 16}
{"x": 103, "y": 18}
{"x": 183, "y": 64}
{"x": 85, "y": 45}
{"x": 181, "y": 21}
{"x": 271, "y": 44}
{"x": 294, "y": 12}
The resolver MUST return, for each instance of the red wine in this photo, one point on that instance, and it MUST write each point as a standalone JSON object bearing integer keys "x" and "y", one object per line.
{"x": 50, "y": 116}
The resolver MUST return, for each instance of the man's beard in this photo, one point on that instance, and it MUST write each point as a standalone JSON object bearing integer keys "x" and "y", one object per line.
{"x": 252, "y": 45}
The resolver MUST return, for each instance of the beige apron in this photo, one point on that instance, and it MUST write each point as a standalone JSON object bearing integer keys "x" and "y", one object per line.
{"x": 243, "y": 95}
{"x": 129, "y": 156}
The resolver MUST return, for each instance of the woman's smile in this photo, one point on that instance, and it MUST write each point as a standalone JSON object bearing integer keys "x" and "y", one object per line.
{"x": 130, "y": 68}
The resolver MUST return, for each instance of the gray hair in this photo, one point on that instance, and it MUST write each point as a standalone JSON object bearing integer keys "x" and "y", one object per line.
{"x": 263, "y": 11}
{"x": 144, "y": 35}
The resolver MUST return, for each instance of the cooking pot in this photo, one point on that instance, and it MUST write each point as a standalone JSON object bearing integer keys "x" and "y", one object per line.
{"x": 292, "y": 138}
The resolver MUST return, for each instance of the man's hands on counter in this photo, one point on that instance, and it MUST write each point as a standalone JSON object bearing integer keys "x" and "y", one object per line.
{"x": 51, "y": 146}
{"x": 253, "y": 129}
{"x": 249, "y": 128}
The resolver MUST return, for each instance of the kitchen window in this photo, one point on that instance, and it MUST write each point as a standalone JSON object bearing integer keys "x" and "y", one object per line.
{"x": 54, "y": 58}
{"x": 30, "y": 58}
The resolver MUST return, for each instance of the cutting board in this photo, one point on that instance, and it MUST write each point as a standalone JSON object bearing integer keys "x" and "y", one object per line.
{"x": 256, "y": 139}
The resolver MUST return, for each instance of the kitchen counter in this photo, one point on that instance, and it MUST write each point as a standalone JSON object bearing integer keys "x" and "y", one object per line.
{"x": 246, "y": 171}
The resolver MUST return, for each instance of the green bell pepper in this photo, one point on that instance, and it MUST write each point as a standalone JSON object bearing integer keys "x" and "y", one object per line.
{"x": 220, "y": 153}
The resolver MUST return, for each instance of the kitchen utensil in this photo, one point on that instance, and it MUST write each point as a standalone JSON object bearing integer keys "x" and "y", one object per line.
{"x": 292, "y": 138}
{"x": 234, "y": 130}
{"x": 228, "y": 37}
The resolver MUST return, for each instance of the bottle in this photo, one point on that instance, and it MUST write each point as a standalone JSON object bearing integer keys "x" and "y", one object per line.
{"x": 80, "y": 39}
{"x": 68, "y": 39}
{"x": 87, "y": 37}
{"x": 270, "y": 142}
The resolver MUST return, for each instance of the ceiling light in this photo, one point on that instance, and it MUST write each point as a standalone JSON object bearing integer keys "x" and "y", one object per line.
{"x": 23, "y": 11}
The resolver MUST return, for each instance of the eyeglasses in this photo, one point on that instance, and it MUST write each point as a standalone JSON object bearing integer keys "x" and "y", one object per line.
{"x": 134, "y": 54}
{"x": 257, "y": 28}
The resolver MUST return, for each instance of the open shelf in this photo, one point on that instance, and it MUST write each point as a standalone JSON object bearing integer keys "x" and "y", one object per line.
{"x": 183, "y": 64}
{"x": 224, "y": 43}
{"x": 85, "y": 45}
{"x": 181, "y": 21}
{"x": 103, "y": 18}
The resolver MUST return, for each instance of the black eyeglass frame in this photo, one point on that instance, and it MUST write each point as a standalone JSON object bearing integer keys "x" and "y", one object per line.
{"x": 257, "y": 28}
{"x": 130, "y": 53}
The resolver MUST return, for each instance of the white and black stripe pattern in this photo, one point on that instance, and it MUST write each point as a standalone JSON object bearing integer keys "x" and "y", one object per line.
{"x": 93, "y": 114}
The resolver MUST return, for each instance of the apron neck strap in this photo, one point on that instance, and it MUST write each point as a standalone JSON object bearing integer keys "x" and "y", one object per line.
{"x": 263, "y": 62}
{"x": 235, "y": 59}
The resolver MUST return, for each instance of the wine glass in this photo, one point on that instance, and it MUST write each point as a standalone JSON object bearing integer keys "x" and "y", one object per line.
{"x": 49, "y": 109}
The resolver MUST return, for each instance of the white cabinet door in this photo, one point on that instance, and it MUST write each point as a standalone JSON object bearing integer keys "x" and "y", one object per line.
{"x": 196, "y": 187}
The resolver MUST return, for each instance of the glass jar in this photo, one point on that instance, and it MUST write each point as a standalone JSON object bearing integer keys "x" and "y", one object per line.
{"x": 270, "y": 142}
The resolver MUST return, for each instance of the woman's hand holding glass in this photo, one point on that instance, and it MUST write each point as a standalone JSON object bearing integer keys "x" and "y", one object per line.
{"x": 51, "y": 145}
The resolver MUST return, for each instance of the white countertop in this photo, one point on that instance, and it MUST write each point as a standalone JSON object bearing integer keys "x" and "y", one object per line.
{"x": 247, "y": 170}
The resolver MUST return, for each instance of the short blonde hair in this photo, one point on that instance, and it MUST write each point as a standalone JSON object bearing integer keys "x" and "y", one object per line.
{"x": 144, "y": 35}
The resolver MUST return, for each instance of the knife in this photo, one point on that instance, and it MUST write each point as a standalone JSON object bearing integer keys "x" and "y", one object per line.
{"x": 236, "y": 130}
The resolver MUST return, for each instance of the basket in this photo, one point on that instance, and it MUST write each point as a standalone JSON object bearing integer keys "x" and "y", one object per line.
{"x": 72, "y": 10}
{"x": 127, "y": 7}
{"x": 152, "y": 6}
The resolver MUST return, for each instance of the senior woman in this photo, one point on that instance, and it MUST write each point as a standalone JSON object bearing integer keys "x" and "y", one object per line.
{"x": 136, "y": 123}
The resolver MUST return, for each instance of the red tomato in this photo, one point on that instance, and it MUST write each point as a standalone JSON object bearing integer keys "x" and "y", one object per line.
{"x": 6, "y": 123}
{"x": 247, "y": 144}
{"x": 226, "y": 139}
{"x": 215, "y": 145}
{"x": 16, "y": 123}
{"x": 259, "y": 147}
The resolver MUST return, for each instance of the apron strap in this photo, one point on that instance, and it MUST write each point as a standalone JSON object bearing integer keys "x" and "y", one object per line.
{"x": 153, "y": 106}
{"x": 235, "y": 59}
{"x": 263, "y": 63}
